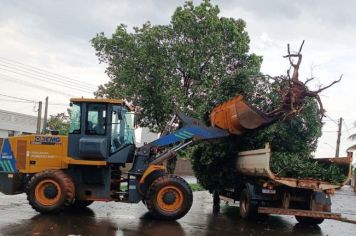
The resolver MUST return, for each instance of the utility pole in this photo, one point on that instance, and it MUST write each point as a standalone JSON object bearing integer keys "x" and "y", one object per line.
{"x": 338, "y": 138}
{"x": 45, "y": 117}
{"x": 39, "y": 118}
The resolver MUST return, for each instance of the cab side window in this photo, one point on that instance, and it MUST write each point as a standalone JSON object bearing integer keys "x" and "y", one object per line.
{"x": 96, "y": 119}
{"x": 75, "y": 113}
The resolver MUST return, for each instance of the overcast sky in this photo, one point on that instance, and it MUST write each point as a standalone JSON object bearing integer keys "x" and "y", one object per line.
{"x": 54, "y": 36}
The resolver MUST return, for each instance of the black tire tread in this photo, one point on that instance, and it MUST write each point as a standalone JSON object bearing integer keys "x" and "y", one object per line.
{"x": 252, "y": 212}
{"x": 67, "y": 187}
{"x": 154, "y": 188}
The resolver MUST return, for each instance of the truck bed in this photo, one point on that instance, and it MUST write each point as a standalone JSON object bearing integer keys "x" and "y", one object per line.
{"x": 256, "y": 163}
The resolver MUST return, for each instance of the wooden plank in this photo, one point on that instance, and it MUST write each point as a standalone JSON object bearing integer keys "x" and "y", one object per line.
{"x": 297, "y": 212}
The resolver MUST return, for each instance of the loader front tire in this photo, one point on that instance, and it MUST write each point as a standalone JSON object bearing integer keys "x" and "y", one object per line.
{"x": 169, "y": 197}
{"x": 50, "y": 191}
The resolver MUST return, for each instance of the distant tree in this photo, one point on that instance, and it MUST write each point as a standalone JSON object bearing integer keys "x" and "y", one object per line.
{"x": 191, "y": 64}
{"x": 352, "y": 137}
{"x": 196, "y": 61}
{"x": 59, "y": 122}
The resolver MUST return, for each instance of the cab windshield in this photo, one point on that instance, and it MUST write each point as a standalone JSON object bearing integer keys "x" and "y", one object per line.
{"x": 74, "y": 123}
{"x": 122, "y": 128}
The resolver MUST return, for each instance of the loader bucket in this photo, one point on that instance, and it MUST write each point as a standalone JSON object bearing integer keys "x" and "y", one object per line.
{"x": 236, "y": 116}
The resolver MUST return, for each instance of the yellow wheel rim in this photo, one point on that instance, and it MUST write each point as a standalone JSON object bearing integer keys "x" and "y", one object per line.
{"x": 176, "y": 201}
{"x": 43, "y": 198}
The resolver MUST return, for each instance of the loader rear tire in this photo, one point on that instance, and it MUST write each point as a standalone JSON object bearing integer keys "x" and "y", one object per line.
{"x": 169, "y": 197}
{"x": 50, "y": 191}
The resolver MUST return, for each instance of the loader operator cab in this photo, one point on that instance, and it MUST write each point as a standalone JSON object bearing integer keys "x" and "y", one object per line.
{"x": 101, "y": 129}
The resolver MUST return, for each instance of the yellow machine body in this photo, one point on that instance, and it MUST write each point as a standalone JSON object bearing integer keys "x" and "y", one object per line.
{"x": 36, "y": 153}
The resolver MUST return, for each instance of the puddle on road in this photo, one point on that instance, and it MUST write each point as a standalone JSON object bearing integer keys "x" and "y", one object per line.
{"x": 106, "y": 219}
{"x": 85, "y": 223}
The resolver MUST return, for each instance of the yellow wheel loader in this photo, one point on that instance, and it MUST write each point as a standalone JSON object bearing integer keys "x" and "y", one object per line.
{"x": 57, "y": 172}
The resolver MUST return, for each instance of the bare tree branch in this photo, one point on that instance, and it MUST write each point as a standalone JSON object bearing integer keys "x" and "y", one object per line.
{"x": 308, "y": 80}
{"x": 326, "y": 87}
{"x": 297, "y": 91}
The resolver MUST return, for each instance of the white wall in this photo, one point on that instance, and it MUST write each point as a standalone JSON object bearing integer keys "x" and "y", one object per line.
{"x": 143, "y": 135}
{"x": 3, "y": 133}
{"x": 12, "y": 121}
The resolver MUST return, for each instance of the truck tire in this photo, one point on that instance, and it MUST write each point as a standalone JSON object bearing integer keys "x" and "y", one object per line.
{"x": 248, "y": 207}
{"x": 50, "y": 191}
{"x": 169, "y": 197}
{"x": 314, "y": 207}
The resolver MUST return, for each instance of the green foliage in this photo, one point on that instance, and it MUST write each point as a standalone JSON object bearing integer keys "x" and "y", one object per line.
{"x": 287, "y": 164}
{"x": 196, "y": 61}
{"x": 295, "y": 139}
{"x": 196, "y": 187}
{"x": 297, "y": 135}
{"x": 214, "y": 164}
{"x": 59, "y": 122}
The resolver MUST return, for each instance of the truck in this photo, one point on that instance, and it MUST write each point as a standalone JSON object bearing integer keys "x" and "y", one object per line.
{"x": 259, "y": 191}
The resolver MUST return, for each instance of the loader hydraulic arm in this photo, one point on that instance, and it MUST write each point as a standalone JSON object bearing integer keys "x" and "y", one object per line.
{"x": 231, "y": 117}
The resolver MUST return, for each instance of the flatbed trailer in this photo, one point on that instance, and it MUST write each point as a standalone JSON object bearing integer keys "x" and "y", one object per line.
{"x": 261, "y": 192}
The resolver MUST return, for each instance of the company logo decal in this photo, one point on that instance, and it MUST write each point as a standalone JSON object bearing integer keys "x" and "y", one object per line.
{"x": 47, "y": 140}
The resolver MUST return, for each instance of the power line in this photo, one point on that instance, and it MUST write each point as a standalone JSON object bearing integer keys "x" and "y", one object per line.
{"x": 71, "y": 83}
{"x": 19, "y": 101}
{"x": 46, "y": 80}
{"x": 24, "y": 99}
{"x": 47, "y": 73}
{"x": 19, "y": 81}
{"x": 332, "y": 120}
{"x": 347, "y": 128}
{"x": 9, "y": 100}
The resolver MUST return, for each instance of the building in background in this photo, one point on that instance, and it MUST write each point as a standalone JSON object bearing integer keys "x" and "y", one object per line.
{"x": 13, "y": 123}
{"x": 143, "y": 135}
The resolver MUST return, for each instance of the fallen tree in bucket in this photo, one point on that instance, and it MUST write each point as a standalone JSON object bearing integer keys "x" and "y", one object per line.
{"x": 297, "y": 113}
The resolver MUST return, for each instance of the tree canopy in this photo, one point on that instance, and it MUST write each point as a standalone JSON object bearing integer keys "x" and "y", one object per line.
{"x": 59, "y": 122}
{"x": 198, "y": 60}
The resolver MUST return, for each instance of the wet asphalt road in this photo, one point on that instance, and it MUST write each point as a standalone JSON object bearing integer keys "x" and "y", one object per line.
{"x": 17, "y": 218}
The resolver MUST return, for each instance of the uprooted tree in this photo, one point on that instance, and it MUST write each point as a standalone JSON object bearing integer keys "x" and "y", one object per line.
{"x": 297, "y": 121}
{"x": 293, "y": 96}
